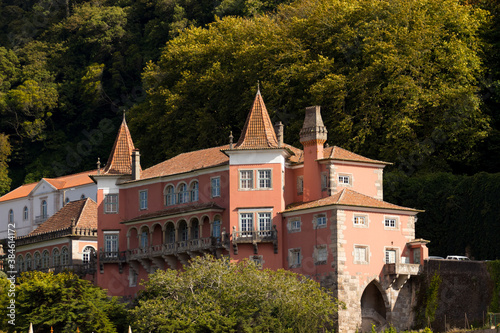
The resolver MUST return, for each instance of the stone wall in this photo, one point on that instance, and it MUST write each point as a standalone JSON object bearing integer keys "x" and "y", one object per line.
{"x": 464, "y": 293}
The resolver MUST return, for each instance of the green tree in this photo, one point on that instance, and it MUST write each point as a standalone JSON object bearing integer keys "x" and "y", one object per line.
{"x": 64, "y": 302}
{"x": 214, "y": 295}
{"x": 397, "y": 80}
{"x": 5, "y": 151}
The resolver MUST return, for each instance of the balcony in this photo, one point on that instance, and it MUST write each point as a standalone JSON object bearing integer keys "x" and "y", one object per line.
{"x": 114, "y": 257}
{"x": 255, "y": 237}
{"x": 399, "y": 273}
{"x": 40, "y": 219}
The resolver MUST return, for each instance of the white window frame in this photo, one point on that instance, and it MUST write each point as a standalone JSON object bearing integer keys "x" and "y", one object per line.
{"x": 359, "y": 217}
{"x": 111, "y": 246}
{"x": 357, "y": 254}
{"x": 320, "y": 217}
{"x": 265, "y": 181}
{"x": 44, "y": 209}
{"x": 294, "y": 224}
{"x": 143, "y": 199}
{"x": 216, "y": 228}
{"x": 246, "y": 223}
{"x": 264, "y": 223}
{"x": 294, "y": 258}
{"x": 246, "y": 179}
{"x": 170, "y": 196}
{"x": 65, "y": 256}
{"x": 344, "y": 179}
{"x": 321, "y": 254}
{"x": 388, "y": 252}
{"x": 111, "y": 203}
{"x": 391, "y": 222}
{"x": 195, "y": 194}
{"x": 215, "y": 187}
{"x": 144, "y": 239}
{"x": 183, "y": 193}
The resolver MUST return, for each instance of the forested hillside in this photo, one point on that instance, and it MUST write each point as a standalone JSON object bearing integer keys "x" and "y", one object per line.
{"x": 416, "y": 83}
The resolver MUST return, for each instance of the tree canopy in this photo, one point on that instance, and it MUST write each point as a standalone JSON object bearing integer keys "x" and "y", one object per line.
{"x": 214, "y": 295}
{"x": 62, "y": 301}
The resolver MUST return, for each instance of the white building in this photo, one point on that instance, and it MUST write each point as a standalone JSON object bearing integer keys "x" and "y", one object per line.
{"x": 30, "y": 205}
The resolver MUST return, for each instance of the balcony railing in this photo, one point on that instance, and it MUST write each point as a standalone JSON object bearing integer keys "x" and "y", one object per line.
{"x": 193, "y": 245}
{"x": 40, "y": 219}
{"x": 112, "y": 257}
{"x": 402, "y": 269}
{"x": 254, "y": 236}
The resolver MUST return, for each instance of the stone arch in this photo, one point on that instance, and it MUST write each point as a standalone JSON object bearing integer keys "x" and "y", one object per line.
{"x": 169, "y": 232}
{"x": 194, "y": 225}
{"x": 133, "y": 238}
{"x": 374, "y": 307}
{"x": 182, "y": 230}
{"x": 157, "y": 231}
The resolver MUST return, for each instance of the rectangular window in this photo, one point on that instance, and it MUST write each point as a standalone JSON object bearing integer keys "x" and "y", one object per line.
{"x": 390, "y": 222}
{"x": 215, "y": 185}
{"x": 111, "y": 245}
{"x": 143, "y": 200}
{"x": 321, "y": 221}
{"x": 416, "y": 256}
{"x": 258, "y": 261}
{"x": 246, "y": 224}
{"x": 246, "y": 179}
{"x": 264, "y": 178}
{"x": 264, "y": 221}
{"x": 390, "y": 256}
{"x": 294, "y": 225}
{"x": 300, "y": 185}
{"x": 321, "y": 255}
{"x": 294, "y": 258}
{"x": 111, "y": 203}
{"x": 343, "y": 179}
{"x": 360, "y": 254}
{"x": 324, "y": 181}
{"x": 360, "y": 220}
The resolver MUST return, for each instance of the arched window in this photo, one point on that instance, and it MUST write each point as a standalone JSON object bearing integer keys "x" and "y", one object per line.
{"x": 195, "y": 229}
{"x": 83, "y": 196}
{"x": 45, "y": 259}
{"x": 216, "y": 228}
{"x": 67, "y": 200}
{"x": 20, "y": 263}
{"x": 170, "y": 196}
{"x": 183, "y": 193}
{"x": 170, "y": 234}
{"x": 183, "y": 231}
{"x": 44, "y": 209}
{"x": 88, "y": 252}
{"x": 56, "y": 257}
{"x": 28, "y": 262}
{"x": 37, "y": 260}
{"x": 144, "y": 238}
{"x": 65, "y": 256}
{"x": 194, "y": 191}
{"x": 11, "y": 216}
{"x": 25, "y": 213}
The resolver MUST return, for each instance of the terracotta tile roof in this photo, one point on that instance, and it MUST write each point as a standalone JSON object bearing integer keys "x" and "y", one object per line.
{"x": 177, "y": 210}
{"x": 120, "y": 159}
{"x": 60, "y": 183}
{"x": 186, "y": 162}
{"x": 83, "y": 211}
{"x": 337, "y": 153}
{"x": 347, "y": 197}
{"x": 258, "y": 131}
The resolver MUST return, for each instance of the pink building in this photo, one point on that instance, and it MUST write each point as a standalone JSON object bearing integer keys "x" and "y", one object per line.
{"x": 317, "y": 211}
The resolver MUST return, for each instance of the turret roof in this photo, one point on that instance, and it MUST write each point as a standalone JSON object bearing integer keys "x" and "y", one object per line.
{"x": 120, "y": 159}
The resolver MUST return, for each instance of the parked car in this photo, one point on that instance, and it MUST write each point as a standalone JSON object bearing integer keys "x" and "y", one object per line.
{"x": 433, "y": 258}
{"x": 457, "y": 258}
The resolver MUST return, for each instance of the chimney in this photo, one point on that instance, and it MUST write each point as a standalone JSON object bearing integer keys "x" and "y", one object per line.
{"x": 278, "y": 129}
{"x": 313, "y": 136}
{"x": 136, "y": 164}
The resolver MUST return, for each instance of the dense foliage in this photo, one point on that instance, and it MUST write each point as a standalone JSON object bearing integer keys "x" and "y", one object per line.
{"x": 61, "y": 301}
{"x": 218, "y": 296}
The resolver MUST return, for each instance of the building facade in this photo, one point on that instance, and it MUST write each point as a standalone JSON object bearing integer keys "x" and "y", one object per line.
{"x": 318, "y": 211}
{"x": 65, "y": 241}
{"x": 30, "y": 205}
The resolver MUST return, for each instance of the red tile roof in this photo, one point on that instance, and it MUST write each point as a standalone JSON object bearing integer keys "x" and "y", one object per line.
{"x": 258, "y": 131}
{"x": 60, "y": 183}
{"x": 337, "y": 153}
{"x": 120, "y": 159}
{"x": 186, "y": 162}
{"x": 178, "y": 210}
{"x": 347, "y": 197}
{"x": 84, "y": 213}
